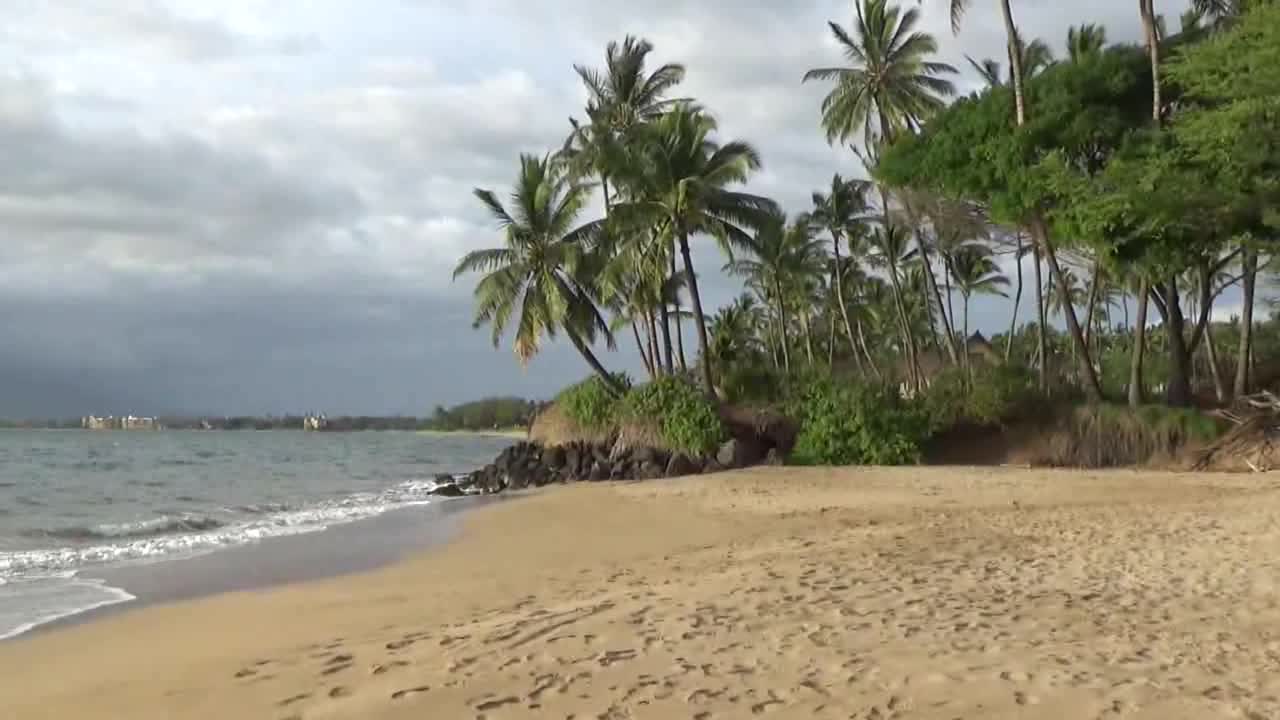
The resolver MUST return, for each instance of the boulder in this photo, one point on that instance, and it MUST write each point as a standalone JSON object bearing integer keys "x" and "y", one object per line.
{"x": 774, "y": 458}
{"x": 449, "y": 490}
{"x": 599, "y": 471}
{"x": 680, "y": 465}
{"x": 554, "y": 458}
{"x": 649, "y": 471}
{"x": 739, "y": 453}
{"x": 712, "y": 466}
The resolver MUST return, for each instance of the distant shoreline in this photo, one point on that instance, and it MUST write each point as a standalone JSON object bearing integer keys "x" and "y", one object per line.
{"x": 512, "y": 433}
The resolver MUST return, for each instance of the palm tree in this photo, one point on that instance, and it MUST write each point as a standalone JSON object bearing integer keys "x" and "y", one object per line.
{"x": 976, "y": 274}
{"x": 891, "y": 250}
{"x": 681, "y": 180}
{"x": 891, "y": 83}
{"x": 538, "y": 272}
{"x": 1014, "y": 45}
{"x": 1086, "y": 40}
{"x": 777, "y": 260}
{"x": 841, "y": 212}
{"x": 1036, "y": 56}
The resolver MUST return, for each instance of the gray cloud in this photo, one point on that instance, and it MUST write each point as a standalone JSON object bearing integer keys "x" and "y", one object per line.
{"x": 250, "y": 206}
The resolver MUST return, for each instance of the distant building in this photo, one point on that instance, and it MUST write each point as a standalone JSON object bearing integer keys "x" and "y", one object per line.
{"x": 129, "y": 422}
{"x": 315, "y": 422}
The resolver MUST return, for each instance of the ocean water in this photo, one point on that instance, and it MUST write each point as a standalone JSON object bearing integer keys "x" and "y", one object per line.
{"x": 73, "y": 501}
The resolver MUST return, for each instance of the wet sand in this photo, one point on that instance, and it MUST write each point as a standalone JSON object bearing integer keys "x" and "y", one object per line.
{"x": 913, "y": 593}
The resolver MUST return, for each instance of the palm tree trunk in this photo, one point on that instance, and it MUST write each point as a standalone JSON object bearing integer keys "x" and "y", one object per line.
{"x": 1017, "y": 302}
{"x": 831, "y": 342}
{"x": 699, "y": 320}
{"x": 1015, "y": 62}
{"x": 665, "y": 325}
{"x": 1089, "y": 375}
{"x": 684, "y": 364}
{"x": 1146, "y": 8}
{"x": 1249, "y": 282}
{"x": 968, "y": 365}
{"x": 904, "y": 324}
{"x": 1042, "y": 320}
{"x": 644, "y": 356}
{"x": 1139, "y": 345}
{"x": 1215, "y": 374}
{"x": 871, "y": 361}
{"x": 655, "y": 350}
{"x": 782, "y": 324}
{"x": 609, "y": 381}
{"x": 1091, "y": 306}
{"x": 932, "y": 281}
{"x": 951, "y": 308}
{"x": 808, "y": 335}
{"x": 838, "y": 281}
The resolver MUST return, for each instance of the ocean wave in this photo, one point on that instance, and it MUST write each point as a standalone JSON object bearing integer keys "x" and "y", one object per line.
{"x": 191, "y": 535}
{"x": 124, "y": 531}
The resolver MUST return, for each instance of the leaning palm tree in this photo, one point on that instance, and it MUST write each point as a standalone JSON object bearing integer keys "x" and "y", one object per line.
{"x": 681, "y": 181}
{"x": 891, "y": 83}
{"x": 1085, "y": 41}
{"x": 841, "y": 212}
{"x": 976, "y": 273}
{"x": 538, "y": 273}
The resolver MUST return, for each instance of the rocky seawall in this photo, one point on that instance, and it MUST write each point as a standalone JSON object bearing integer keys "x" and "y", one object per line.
{"x": 531, "y": 465}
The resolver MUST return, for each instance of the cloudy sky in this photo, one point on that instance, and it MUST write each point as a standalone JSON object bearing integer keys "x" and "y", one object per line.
{"x": 253, "y": 206}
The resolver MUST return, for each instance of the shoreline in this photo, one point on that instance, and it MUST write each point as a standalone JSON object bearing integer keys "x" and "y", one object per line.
{"x": 343, "y": 549}
{"x": 786, "y": 593}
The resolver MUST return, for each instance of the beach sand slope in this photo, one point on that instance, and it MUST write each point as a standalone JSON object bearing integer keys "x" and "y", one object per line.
{"x": 869, "y": 594}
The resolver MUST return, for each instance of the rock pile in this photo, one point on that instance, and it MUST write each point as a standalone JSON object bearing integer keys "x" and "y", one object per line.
{"x": 527, "y": 464}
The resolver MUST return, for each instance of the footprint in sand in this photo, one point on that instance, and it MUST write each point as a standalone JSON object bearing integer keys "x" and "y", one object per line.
{"x": 401, "y": 694}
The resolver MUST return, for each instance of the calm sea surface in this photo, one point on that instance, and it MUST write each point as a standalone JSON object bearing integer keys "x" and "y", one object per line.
{"x": 71, "y": 500}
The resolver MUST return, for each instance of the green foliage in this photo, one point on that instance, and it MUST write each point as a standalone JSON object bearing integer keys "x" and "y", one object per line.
{"x": 852, "y": 424}
{"x": 485, "y": 414}
{"x": 590, "y": 403}
{"x": 684, "y": 415}
{"x": 995, "y": 396}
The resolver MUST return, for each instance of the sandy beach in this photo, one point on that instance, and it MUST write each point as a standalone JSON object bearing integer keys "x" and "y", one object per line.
{"x": 869, "y": 594}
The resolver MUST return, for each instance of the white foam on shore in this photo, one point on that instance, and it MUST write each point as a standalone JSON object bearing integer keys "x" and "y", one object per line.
{"x": 29, "y": 603}
{"x": 290, "y": 522}
{"x": 40, "y": 586}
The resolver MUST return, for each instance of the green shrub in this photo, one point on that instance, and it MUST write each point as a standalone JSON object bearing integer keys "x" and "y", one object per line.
{"x": 995, "y": 396}
{"x": 685, "y": 418}
{"x": 590, "y": 403}
{"x": 850, "y": 424}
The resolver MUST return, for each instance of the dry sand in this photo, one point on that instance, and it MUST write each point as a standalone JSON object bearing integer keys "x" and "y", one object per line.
{"x": 916, "y": 593}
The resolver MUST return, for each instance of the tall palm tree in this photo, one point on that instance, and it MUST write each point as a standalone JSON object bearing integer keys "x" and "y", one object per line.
{"x": 891, "y": 82}
{"x": 841, "y": 213}
{"x": 538, "y": 273}
{"x": 891, "y": 250}
{"x": 682, "y": 180}
{"x": 1086, "y": 40}
{"x": 1037, "y": 223}
{"x": 621, "y": 98}
{"x": 1013, "y": 45}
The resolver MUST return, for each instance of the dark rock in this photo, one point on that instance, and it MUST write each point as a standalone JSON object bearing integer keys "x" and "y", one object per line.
{"x": 649, "y": 471}
{"x": 680, "y": 465}
{"x": 445, "y": 479}
{"x": 740, "y": 453}
{"x": 450, "y": 490}
{"x": 774, "y": 458}
{"x": 600, "y": 453}
{"x": 599, "y": 471}
{"x": 645, "y": 455}
{"x": 712, "y": 466}
{"x": 554, "y": 458}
